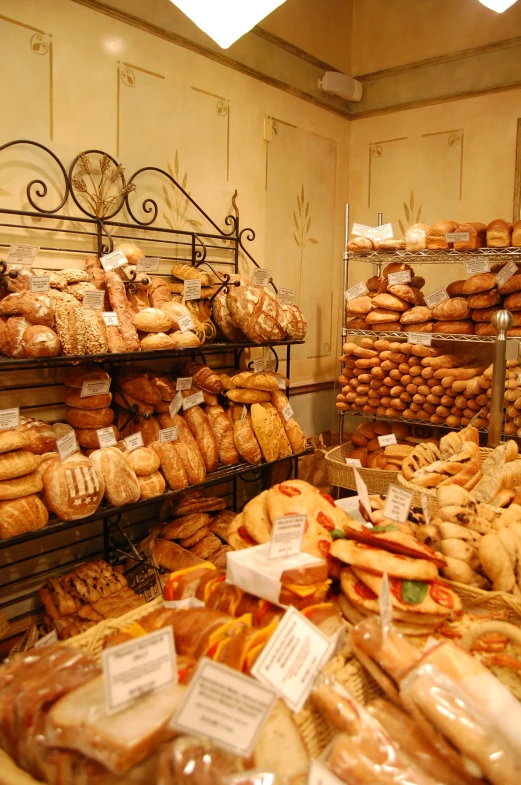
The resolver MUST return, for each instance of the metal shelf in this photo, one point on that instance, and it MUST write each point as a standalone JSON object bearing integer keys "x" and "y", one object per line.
{"x": 434, "y": 336}
{"x": 427, "y": 256}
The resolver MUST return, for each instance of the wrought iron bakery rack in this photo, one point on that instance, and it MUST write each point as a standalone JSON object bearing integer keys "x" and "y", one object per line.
{"x": 87, "y": 208}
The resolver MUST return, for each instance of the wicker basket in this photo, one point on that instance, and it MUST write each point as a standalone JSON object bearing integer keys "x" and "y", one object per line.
{"x": 339, "y": 473}
{"x": 474, "y": 599}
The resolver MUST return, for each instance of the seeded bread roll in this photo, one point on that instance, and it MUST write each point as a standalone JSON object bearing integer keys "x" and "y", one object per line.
{"x": 66, "y": 330}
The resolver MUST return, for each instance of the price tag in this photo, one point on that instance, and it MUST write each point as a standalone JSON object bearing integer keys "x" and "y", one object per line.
{"x": 384, "y": 232}
{"x": 282, "y": 383}
{"x": 66, "y": 445}
{"x": 359, "y": 230}
{"x": 422, "y": 339}
{"x": 397, "y": 278}
{"x": 168, "y": 435}
{"x": 457, "y": 237}
{"x": 137, "y": 667}
{"x": 425, "y": 507}
{"x": 385, "y": 441}
{"x": 292, "y": 658}
{"x": 244, "y": 415}
{"x": 358, "y": 290}
{"x": 94, "y": 388}
{"x": 258, "y": 365}
{"x": 40, "y": 283}
{"x": 354, "y": 462}
{"x": 363, "y": 494}
{"x": 110, "y": 318}
{"x": 192, "y": 289}
{"x": 512, "y": 349}
{"x": 286, "y": 536}
{"x": 106, "y": 437}
{"x": 188, "y": 602}
{"x": 193, "y": 400}
{"x": 134, "y": 441}
{"x": 506, "y": 272}
{"x": 47, "y": 640}
{"x": 385, "y": 606}
{"x": 260, "y": 277}
{"x": 175, "y": 405}
{"x": 477, "y": 266}
{"x": 397, "y": 504}
{"x": 286, "y": 296}
{"x": 93, "y": 301}
{"x": 183, "y": 383}
{"x": 319, "y": 775}
{"x": 9, "y": 418}
{"x": 148, "y": 264}
{"x": 437, "y": 297}
{"x": 112, "y": 261}
{"x": 225, "y": 706}
{"x": 185, "y": 323}
{"x": 287, "y": 412}
{"x": 22, "y": 254}
{"x": 270, "y": 366}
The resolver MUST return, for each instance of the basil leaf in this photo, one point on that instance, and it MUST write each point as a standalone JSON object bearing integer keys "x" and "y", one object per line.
{"x": 414, "y": 592}
{"x": 338, "y": 534}
{"x": 388, "y": 527}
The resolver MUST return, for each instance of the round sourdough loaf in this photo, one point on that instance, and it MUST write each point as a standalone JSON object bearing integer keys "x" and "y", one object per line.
{"x": 152, "y": 320}
{"x": 20, "y": 486}
{"x": 17, "y": 463}
{"x": 257, "y": 313}
{"x": 73, "y": 398}
{"x": 39, "y": 341}
{"x": 19, "y": 516}
{"x": 75, "y": 376}
{"x": 296, "y": 325}
{"x": 72, "y": 488}
{"x": 452, "y": 310}
{"x": 90, "y": 418}
{"x": 144, "y": 461}
{"x": 88, "y": 437}
{"x": 121, "y": 483}
{"x": 151, "y": 485}
{"x": 33, "y": 435}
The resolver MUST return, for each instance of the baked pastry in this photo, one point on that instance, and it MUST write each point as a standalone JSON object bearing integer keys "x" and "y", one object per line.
{"x": 121, "y": 484}
{"x": 436, "y": 237}
{"x": 499, "y": 234}
{"x": 72, "y": 488}
{"x": 257, "y": 313}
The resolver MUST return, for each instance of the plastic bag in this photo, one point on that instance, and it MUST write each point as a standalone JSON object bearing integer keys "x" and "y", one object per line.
{"x": 188, "y": 760}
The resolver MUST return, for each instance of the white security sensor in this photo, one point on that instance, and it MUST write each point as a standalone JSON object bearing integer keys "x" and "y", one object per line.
{"x": 342, "y": 85}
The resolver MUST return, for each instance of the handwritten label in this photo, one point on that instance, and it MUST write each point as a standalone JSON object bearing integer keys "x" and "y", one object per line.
{"x": 359, "y": 230}
{"x": 397, "y": 504}
{"x": 137, "y": 667}
{"x": 94, "y": 388}
{"x": 106, "y": 437}
{"x": 287, "y": 412}
{"x": 260, "y": 277}
{"x": 363, "y": 494}
{"x": 66, "y": 445}
{"x": 112, "y": 261}
{"x": 388, "y": 439}
{"x": 422, "y": 339}
{"x": 286, "y": 536}
{"x": 384, "y": 232}
{"x": 425, "y": 508}
{"x": 192, "y": 289}
{"x": 506, "y": 272}
{"x": 437, "y": 297}
{"x": 225, "y": 706}
{"x": 185, "y": 323}
{"x": 270, "y": 366}
{"x": 93, "y": 301}
{"x": 286, "y": 296}
{"x": 292, "y": 658}
{"x": 22, "y": 254}
{"x": 149, "y": 264}
{"x": 281, "y": 383}
{"x": 258, "y": 365}
{"x": 244, "y": 415}
{"x": 175, "y": 405}
{"x": 358, "y": 290}
{"x": 477, "y": 266}
{"x": 40, "y": 283}
{"x": 134, "y": 441}
{"x": 168, "y": 435}
{"x": 110, "y": 318}
{"x": 354, "y": 462}
{"x": 398, "y": 278}
{"x": 9, "y": 418}
{"x": 47, "y": 640}
{"x": 183, "y": 383}
{"x": 457, "y": 237}
{"x": 193, "y": 400}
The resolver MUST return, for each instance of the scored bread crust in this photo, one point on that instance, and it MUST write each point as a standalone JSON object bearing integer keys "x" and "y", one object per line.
{"x": 257, "y": 313}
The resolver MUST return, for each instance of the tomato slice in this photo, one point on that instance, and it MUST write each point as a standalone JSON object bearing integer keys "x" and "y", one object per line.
{"x": 441, "y": 594}
{"x": 324, "y": 547}
{"x": 325, "y": 521}
{"x": 328, "y": 498}
{"x": 364, "y": 591}
{"x": 289, "y": 490}
{"x": 396, "y": 589}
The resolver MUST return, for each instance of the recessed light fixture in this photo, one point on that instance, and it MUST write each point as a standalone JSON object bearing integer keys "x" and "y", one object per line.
{"x": 226, "y": 20}
{"x": 498, "y": 5}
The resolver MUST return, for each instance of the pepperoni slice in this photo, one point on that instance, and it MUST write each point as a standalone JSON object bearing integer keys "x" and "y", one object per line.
{"x": 328, "y": 498}
{"x": 364, "y": 591}
{"x": 325, "y": 521}
{"x": 245, "y": 536}
{"x": 324, "y": 546}
{"x": 289, "y": 490}
{"x": 441, "y": 594}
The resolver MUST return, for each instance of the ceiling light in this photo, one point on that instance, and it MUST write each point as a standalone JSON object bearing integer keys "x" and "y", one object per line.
{"x": 226, "y": 20}
{"x": 498, "y": 5}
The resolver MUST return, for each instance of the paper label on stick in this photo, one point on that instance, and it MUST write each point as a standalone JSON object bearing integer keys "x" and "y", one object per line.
{"x": 22, "y": 254}
{"x": 185, "y": 323}
{"x": 477, "y": 266}
{"x": 437, "y": 297}
{"x": 363, "y": 494}
{"x": 106, "y": 437}
{"x": 425, "y": 507}
{"x": 225, "y": 706}
{"x": 112, "y": 261}
{"x": 134, "y": 441}
{"x": 281, "y": 383}
{"x": 192, "y": 289}
{"x": 193, "y": 400}
{"x": 320, "y": 775}
{"x": 137, "y": 667}
{"x": 270, "y": 366}
{"x": 9, "y": 418}
{"x": 358, "y": 290}
{"x": 286, "y": 296}
{"x": 360, "y": 230}
{"x": 47, "y": 640}
{"x": 40, "y": 283}
{"x": 260, "y": 277}
{"x": 93, "y": 301}
{"x": 287, "y": 412}
{"x": 168, "y": 434}
{"x": 286, "y": 536}
{"x": 258, "y": 365}
{"x": 388, "y": 439}
{"x": 183, "y": 383}
{"x": 397, "y": 504}
{"x": 66, "y": 445}
{"x": 175, "y": 405}
{"x": 292, "y": 658}
{"x": 506, "y": 272}
{"x": 457, "y": 237}
{"x": 397, "y": 278}
{"x": 149, "y": 264}
{"x": 188, "y": 602}
{"x": 110, "y": 318}
{"x": 354, "y": 462}
{"x": 384, "y": 232}
{"x": 244, "y": 415}
{"x": 94, "y": 388}
{"x": 422, "y": 339}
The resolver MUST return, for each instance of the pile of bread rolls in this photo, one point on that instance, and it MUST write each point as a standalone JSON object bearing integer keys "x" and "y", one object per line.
{"x": 372, "y": 456}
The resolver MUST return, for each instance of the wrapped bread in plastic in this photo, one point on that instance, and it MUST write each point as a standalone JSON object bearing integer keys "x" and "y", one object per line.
{"x": 416, "y": 237}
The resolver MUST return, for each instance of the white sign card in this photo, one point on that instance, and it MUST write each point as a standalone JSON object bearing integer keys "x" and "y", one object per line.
{"x": 22, "y": 254}
{"x": 286, "y": 536}
{"x": 112, "y": 261}
{"x": 287, "y": 412}
{"x": 358, "y": 290}
{"x": 225, "y": 706}
{"x": 397, "y": 504}
{"x": 512, "y": 349}
{"x": 148, "y": 264}
{"x": 9, "y": 418}
{"x": 93, "y": 301}
{"x": 188, "y": 602}
{"x": 320, "y": 775}
{"x": 134, "y": 441}
{"x": 185, "y": 323}
{"x": 94, "y": 388}
{"x": 281, "y": 383}
{"x": 397, "y": 278}
{"x": 423, "y": 339}
{"x": 192, "y": 289}
{"x": 506, "y": 273}
{"x": 137, "y": 667}
{"x": 387, "y": 440}
{"x": 193, "y": 400}
{"x": 354, "y": 462}
{"x": 384, "y": 232}
{"x": 168, "y": 434}
{"x": 47, "y": 640}
{"x": 106, "y": 437}
{"x": 40, "y": 283}
{"x": 457, "y": 237}
{"x": 258, "y": 365}
{"x": 477, "y": 266}
{"x": 260, "y": 277}
{"x": 360, "y": 230}
{"x": 363, "y": 494}
{"x": 292, "y": 658}
{"x": 110, "y": 318}
{"x": 175, "y": 405}
{"x": 286, "y": 296}
{"x": 183, "y": 383}
{"x": 436, "y": 297}
{"x": 66, "y": 445}
{"x": 270, "y": 365}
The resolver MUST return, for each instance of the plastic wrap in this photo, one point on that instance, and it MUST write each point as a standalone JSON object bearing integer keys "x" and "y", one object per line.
{"x": 194, "y": 761}
{"x": 416, "y": 237}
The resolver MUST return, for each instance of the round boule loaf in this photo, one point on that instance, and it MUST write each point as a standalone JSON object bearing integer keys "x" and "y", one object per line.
{"x": 88, "y": 437}
{"x": 18, "y": 516}
{"x": 174, "y": 311}
{"x": 72, "y": 488}
{"x": 12, "y": 343}
{"x": 36, "y": 308}
{"x": 17, "y": 463}
{"x": 257, "y": 313}
{"x": 296, "y": 325}
{"x": 121, "y": 484}
{"x": 452, "y": 310}
{"x": 39, "y": 341}
{"x": 152, "y": 320}
{"x": 20, "y": 486}
{"x": 75, "y": 376}
{"x": 74, "y": 398}
{"x": 157, "y": 342}
{"x": 480, "y": 282}
{"x": 90, "y": 418}
{"x": 151, "y": 485}
{"x": 144, "y": 461}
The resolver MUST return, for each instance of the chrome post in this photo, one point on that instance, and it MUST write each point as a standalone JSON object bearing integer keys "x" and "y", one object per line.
{"x": 379, "y": 264}
{"x": 502, "y": 321}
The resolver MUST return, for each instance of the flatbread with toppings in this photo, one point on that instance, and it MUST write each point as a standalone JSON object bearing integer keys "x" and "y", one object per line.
{"x": 390, "y": 538}
{"x": 432, "y": 597}
{"x": 379, "y": 561}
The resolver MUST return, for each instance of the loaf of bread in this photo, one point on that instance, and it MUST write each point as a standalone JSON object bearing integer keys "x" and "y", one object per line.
{"x": 223, "y": 432}
{"x": 480, "y": 282}
{"x": 19, "y": 516}
{"x": 390, "y": 302}
{"x": 486, "y": 299}
{"x": 359, "y": 305}
{"x": 132, "y": 251}
{"x": 516, "y": 235}
{"x": 499, "y": 233}
{"x": 120, "y": 304}
{"x": 242, "y": 395}
{"x": 512, "y": 285}
{"x": 477, "y": 236}
{"x": 244, "y": 438}
{"x": 32, "y": 435}
{"x": 171, "y": 465}
{"x": 455, "y": 328}
{"x": 151, "y": 485}
{"x": 144, "y": 461}
{"x": 152, "y": 320}
{"x": 223, "y": 319}
{"x": 72, "y": 488}
{"x": 360, "y": 244}
{"x": 296, "y": 325}
{"x": 139, "y": 383}
{"x": 416, "y": 315}
{"x": 255, "y": 381}
{"x": 201, "y": 430}
{"x": 204, "y": 377}
{"x": 407, "y": 293}
{"x": 17, "y": 463}
{"x": 257, "y": 313}
{"x": 416, "y": 237}
{"x": 121, "y": 484}
{"x": 265, "y": 429}
{"x": 455, "y": 289}
{"x": 89, "y": 418}
{"x": 18, "y": 487}
{"x": 38, "y": 341}
{"x": 187, "y": 272}
{"x": 436, "y": 236}
{"x": 452, "y": 310}
{"x": 158, "y": 292}
{"x": 192, "y": 462}
{"x": 149, "y": 429}
{"x": 380, "y": 315}
{"x": 294, "y": 432}
{"x": 513, "y": 302}
{"x": 11, "y": 337}
{"x": 88, "y": 437}
{"x": 157, "y": 342}
{"x": 36, "y": 308}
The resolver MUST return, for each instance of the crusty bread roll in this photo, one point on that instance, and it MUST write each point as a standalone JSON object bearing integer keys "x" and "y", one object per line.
{"x": 89, "y": 418}
{"x": 477, "y": 236}
{"x": 72, "y": 488}
{"x": 485, "y": 299}
{"x": 144, "y": 461}
{"x": 18, "y": 516}
{"x": 420, "y": 313}
{"x": 151, "y": 485}
{"x": 121, "y": 485}
{"x": 452, "y": 310}
{"x": 360, "y": 244}
{"x": 480, "y": 282}
{"x": 152, "y": 320}
{"x": 499, "y": 233}
{"x": 516, "y": 235}
{"x": 436, "y": 237}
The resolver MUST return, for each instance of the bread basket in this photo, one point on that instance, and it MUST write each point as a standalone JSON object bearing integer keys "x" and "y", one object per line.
{"x": 339, "y": 473}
